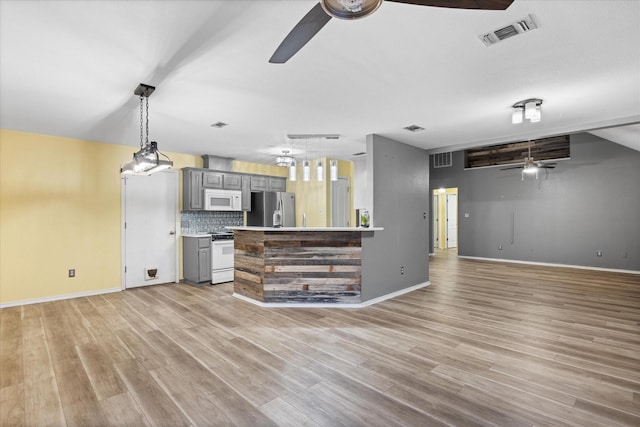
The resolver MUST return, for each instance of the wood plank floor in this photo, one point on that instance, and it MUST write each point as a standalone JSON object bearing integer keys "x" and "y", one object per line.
{"x": 485, "y": 344}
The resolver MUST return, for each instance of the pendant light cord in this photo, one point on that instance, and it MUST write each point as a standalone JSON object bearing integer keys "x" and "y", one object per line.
{"x": 147, "y": 108}
{"x": 141, "y": 113}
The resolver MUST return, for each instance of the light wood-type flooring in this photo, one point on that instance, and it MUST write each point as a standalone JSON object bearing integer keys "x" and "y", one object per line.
{"x": 486, "y": 344}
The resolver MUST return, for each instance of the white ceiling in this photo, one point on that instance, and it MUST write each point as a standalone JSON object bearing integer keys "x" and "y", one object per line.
{"x": 69, "y": 68}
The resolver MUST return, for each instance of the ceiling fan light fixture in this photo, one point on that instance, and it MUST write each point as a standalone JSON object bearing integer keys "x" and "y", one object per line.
{"x": 530, "y": 109}
{"x": 350, "y": 9}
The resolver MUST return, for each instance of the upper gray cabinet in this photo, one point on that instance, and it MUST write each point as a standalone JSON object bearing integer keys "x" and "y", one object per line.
{"x": 268, "y": 183}
{"x": 222, "y": 180}
{"x": 212, "y": 179}
{"x": 246, "y": 192}
{"x": 192, "y": 194}
{"x": 259, "y": 183}
{"x": 276, "y": 184}
{"x": 232, "y": 181}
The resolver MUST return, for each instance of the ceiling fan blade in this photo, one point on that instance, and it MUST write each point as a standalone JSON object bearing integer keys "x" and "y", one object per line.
{"x": 547, "y": 167}
{"x": 512, "y": 167}
{"x": 300, "y": 35}
{"x": 462, "y": 4}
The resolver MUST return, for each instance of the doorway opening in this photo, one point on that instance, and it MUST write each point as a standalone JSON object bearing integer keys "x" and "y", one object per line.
{"x": 445, "y": 218}
{"x": 340, "y": 203}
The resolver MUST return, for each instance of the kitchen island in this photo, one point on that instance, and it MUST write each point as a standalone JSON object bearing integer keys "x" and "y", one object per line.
{"x": 299, "y": 265}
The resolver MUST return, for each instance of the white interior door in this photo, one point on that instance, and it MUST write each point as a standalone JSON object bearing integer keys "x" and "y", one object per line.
{"x": 150, "y": 213}
{"x": 452, "y": 220}
{"x": 340, "y": 203}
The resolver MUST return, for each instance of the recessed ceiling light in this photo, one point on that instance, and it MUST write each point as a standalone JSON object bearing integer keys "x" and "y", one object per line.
{"x": 413, "y": 128}
{"x": 218, "y": 125}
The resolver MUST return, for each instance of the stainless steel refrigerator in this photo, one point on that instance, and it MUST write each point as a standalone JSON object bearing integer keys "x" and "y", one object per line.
{"x": 264, "y": 203}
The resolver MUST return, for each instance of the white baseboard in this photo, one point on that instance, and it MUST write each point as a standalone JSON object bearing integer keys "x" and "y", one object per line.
{"x": 549, "y": 264}
{"x": 331, "y": 304}
{"x": 59, "y": 297}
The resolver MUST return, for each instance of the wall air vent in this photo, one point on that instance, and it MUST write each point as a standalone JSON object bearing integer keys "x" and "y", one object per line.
{"x": 442, "y": 160}
{"x": 519, "y": 27}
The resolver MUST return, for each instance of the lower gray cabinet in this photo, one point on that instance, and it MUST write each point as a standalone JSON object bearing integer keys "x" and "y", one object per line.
{"x": 196, "y": 260}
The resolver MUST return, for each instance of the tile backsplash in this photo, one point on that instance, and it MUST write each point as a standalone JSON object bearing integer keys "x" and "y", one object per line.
{"x": 204, "y": 221}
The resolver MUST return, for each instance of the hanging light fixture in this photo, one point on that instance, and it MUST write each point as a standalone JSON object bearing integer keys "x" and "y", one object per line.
{"x": 293, "y": 171}
{"x": 333, "y": 169}
{"x": 319, "y": 164}
{"x": 306, "y": 170}
{"x": 147, "y": 160}
{"x": 306, "y": 166}
{"x": 285, "y": 159}
{"x": 529, "y": 109}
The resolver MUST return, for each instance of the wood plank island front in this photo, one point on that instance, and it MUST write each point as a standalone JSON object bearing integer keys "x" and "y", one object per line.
{"x": 299, "y": 265}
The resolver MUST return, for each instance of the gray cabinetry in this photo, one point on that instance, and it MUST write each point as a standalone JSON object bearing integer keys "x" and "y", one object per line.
{"x": 268, "y": 183}
{"x": 259, "y": 183}
{"x": 196, "y": 256}
{"x": 223, "y": 180}
{"x": 195, "y": 180}
{"x": 192, "y": 196}
{"x": 246, "y": 193}
{"x": 212, "y": 179}
{"x": 276, "y": 184}
{"x": 232, "y": 181}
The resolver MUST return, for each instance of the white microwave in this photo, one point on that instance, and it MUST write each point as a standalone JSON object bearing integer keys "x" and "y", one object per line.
{"x": 222, "y": 200}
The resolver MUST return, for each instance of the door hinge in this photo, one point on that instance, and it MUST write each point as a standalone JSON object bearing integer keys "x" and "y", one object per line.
{"x": 125, "y": 268}
{"x": 125, "y": 225}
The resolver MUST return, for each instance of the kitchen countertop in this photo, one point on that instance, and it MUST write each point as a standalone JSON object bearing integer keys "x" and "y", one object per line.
{"x": 362, "y": 229}
{"x": 196, "y": 235}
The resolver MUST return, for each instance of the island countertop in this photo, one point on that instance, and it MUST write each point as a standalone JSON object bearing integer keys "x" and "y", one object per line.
{"x": 313, "y": 229}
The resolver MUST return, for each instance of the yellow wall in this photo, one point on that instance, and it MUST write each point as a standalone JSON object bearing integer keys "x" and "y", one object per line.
{"x": 60, "y": 209}
{"x": 314, "y": 197}
{"x": 259, "y": 168}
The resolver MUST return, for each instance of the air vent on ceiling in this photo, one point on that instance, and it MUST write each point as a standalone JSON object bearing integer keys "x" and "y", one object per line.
{"x": 442, "y": 160}
{"x": 519, "y": 27}
{"x": 313, "y": 136}
{"x": 413, "y": 128}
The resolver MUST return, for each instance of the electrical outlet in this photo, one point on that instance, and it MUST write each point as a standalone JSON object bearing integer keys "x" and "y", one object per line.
{"x": 72, "y": 272}
{"x": 599, "y": 252}
{"x": 401, "y": 270}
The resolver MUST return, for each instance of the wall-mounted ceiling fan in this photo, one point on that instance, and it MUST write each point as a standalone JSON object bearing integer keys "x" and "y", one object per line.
{"x": 322, "y": 13}
{"x": 530, "y": 166}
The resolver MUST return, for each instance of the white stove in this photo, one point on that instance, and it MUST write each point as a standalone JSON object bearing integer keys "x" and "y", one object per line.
{"x": 221, "y": 257}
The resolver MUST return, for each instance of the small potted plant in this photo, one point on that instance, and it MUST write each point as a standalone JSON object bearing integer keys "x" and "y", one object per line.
{"x": 364, "y": 219}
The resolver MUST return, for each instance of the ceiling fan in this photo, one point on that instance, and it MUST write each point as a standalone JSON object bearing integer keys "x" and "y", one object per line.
{"x": 530, "y": 166}
{"x": 322, "y": 13}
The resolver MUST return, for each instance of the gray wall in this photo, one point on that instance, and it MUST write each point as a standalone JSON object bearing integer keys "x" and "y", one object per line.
{"x": 588, "y": 203}
{"x": 398, "y": 190}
